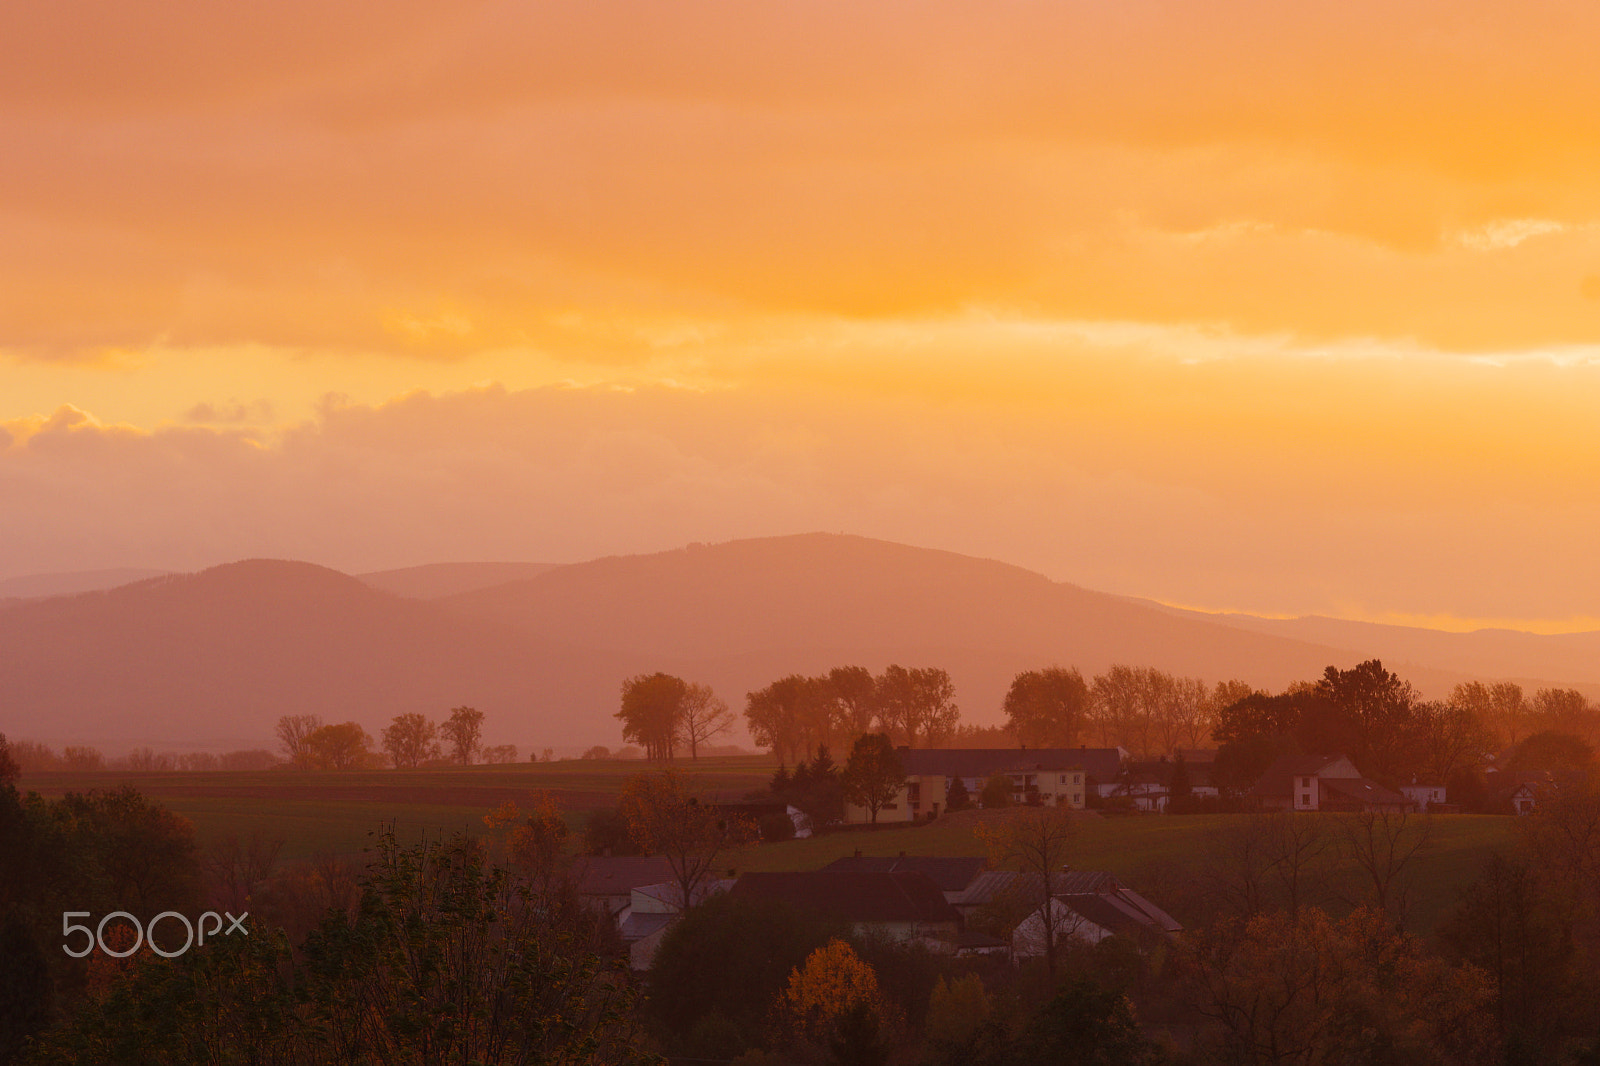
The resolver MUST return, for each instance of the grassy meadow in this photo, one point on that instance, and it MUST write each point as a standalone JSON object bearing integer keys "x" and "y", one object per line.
{"x": 321, "y": 812}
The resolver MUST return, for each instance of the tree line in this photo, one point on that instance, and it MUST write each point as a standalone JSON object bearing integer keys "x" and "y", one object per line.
{"x": 1393, "y": 735}
{"x": 32, "y": 757}
{"x": 409, "y": 741}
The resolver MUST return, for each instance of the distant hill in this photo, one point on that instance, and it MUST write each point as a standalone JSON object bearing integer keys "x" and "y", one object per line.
{"x": 1570, "y": 659}
{"x": 34, "y": 586}
{"x": 740, "y": 614}
{"x": 437, "y": 580}
{"x": 217, "y": 657}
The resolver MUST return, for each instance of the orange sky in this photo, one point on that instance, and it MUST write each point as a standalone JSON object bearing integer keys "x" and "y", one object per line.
{"x": 1275, "y": 307}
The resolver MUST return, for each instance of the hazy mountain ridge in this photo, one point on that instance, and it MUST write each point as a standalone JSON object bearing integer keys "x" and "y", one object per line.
{"x": 37, "y": 586}
{"x": 226, "y": 651}
{"x": 434, "y": 581}
{"x": 1565, "y": 658}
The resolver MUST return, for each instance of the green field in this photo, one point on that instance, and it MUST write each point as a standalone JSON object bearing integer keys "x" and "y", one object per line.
{"x": 334, "y": 813}
{"x": 1152, "y": 851}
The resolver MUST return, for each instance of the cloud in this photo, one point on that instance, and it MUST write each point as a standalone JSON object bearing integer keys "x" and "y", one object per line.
{"x": 1201, "y": 485}
{"x": 258, "y": 412}
{"x": 455, "y": 178}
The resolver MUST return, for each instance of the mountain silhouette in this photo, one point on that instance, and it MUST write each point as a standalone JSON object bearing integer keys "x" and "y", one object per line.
{"x": 213, "y": 659}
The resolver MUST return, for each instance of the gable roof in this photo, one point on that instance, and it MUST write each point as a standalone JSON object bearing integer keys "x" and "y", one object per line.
{"x": 1103, "y": 764}
{"x": 1361, "y": 791}
{"x": 1121, "y": 912}
{"x": 893, "y": 896}
{"x": 952, "y": 873}
{"x": 618, "y": 875}
{"x": 1279, "y": 777}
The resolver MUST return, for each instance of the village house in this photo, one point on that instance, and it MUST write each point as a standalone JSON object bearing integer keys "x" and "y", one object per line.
{"x": 1323, "y": 783}
{"x": 1424, "y": 795}
{"x": 1048, "y": 776}
{"x": 1088, "y": 906}
{"x": 651, "y": 911}
{"x": 606, "y": 882}
{"x": 900, "y": 905}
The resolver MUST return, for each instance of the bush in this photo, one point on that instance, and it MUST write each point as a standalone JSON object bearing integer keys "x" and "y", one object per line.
{"x": 996, "y": 792}
{"x": 606, "y": 833}
{"x": 776, "y": 828}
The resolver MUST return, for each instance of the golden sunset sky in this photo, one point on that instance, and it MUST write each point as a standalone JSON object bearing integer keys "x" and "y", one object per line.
{"x": 1277, "y": 307}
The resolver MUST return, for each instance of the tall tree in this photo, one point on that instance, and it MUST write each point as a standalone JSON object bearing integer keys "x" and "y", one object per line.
{"x": 855, "y": 691}
{"x": 1118, "y": 701}
{"x": 704, "y": 716}
{"x": 918, "y": 704}
{"x": 410, "y": 739}
{"x": 1452, "y": 737}
{"x": 1379, "y": 711}
{"x": 1383, "y": 846}
{"x": 463, "y": 729}
{"x": 293, "y": 729}
{"x": 664, "y": 817}
{"x": 344, "y": 746}
{"x": 1038, "y": 841}
{"x": 1047, "y": 708}
{"x": 774, "y": 716}
{"x": 652, "y": 712}
{"x": 9, "y": 770}
{"x": 874, "y": 774}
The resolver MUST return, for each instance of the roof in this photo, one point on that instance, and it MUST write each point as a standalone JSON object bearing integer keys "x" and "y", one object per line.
{"x": 637, "y": 926}
{"x": 1012, "y": 884}
{"x": 618, "y": 875}
{"x": 1100, "y": 763}
{"x": 1104, "y": 912}
{"x": 951, "y": 873}
{"x": 984, "y": 888}
{"x": 670, "y": 893}
{"x": 896, "y": 896}
{"x": 1279, "y": 777}
{"x": 1363, "y": 792}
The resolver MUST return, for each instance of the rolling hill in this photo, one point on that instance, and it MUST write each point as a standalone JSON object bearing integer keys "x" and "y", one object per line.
{"x": 212, "y": 659}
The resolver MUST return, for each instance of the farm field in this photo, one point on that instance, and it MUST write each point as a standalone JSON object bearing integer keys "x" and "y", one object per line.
{"x": 325, "y": 811}
{"x": 318, "y": 812}
{"x": 1153, "y": 852}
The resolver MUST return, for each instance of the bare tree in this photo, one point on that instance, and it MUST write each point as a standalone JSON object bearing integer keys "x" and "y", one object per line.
{"x": 1382, "y": 845}
{"x": 1452, "y": 736}
{"x": 1299, "y": 847}
{"x": 665, "y": 817}
{"x": 704, "y": 715}
{"x": 293, "y": 729}
{"x": 1236, "y": 867}
{"x": 233, "y": 869}
{"x": 1037, "y": 841}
